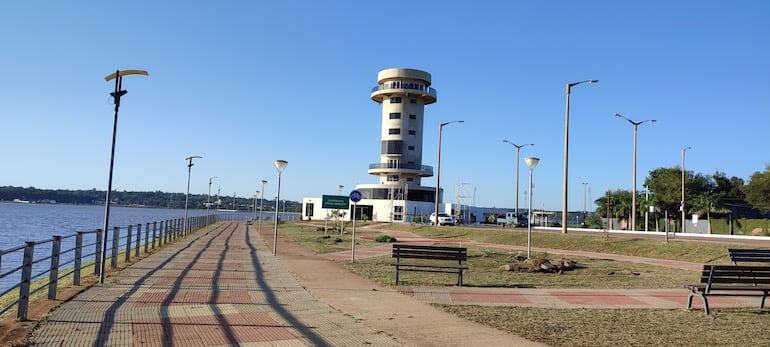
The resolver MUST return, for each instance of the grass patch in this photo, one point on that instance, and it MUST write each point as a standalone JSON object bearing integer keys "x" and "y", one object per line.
{"x": 328, "y": 241}
{"x": 586, "y": 327}
{"x": 484, "y": 271}
{"x": 583, "y": 327}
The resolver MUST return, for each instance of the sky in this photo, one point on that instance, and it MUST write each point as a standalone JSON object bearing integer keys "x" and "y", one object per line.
{"x": 242, "y": 83}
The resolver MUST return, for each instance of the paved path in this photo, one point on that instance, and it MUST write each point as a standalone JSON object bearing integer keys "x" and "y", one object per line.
{"x": 222, "y": 287}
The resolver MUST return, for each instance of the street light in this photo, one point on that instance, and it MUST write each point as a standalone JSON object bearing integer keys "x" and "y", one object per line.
{"x": 254, "y": 206}
{"x": 585, "y": 186}
{"x": 118, "y": 76}
{"x": 342, "y": 225}
{"x": 279, "y": 165}
{"x": 187, "y": 196}
{"x": 261, "y": 203}
{"x": 208, "y": 200}
{"x": 438, "y": 167}
{"x": 682, "y": 207}
{"x": 518, "y": 149}
{"x": 633, "y": 187}
{"x": 531, "y": 163}
{"x": 566, "y": 158}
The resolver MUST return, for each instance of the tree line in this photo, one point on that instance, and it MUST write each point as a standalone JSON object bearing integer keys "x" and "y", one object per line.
{"x": 155, "y": 199}
{"x": 704, "y": 195}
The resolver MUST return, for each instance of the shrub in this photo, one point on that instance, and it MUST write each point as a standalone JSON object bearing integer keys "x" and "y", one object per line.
{"x": 385, "y": 238}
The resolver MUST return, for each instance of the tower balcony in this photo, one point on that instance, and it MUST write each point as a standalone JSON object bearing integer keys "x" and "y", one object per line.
{"x": 392, "y": 168}
{"x": 383, "y": 91}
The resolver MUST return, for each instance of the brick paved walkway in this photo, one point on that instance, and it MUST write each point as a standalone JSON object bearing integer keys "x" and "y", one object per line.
{"x": 222, "y": 287}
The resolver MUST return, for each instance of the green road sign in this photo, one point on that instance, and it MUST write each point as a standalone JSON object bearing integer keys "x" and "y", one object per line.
{"x": 335, "y": 201}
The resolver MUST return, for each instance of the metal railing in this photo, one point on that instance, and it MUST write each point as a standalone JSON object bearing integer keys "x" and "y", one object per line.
{"x": 46, "y": 264}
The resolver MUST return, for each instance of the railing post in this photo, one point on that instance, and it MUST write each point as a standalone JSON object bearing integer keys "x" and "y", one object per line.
{"x": 147, "y": 237}
{"x": 138, "y": 240}
{"x": 78, "y": 258}
{"x": 115, "y": 245}
{"x": 53, "y": 274}
{"x": 26, "y": 280}
{"x": 154, "y": 233}
{"x": 128, "y": 243}
{"x": 98, "y": 258}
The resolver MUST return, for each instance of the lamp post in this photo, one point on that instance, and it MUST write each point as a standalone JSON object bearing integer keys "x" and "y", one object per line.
{"x": 682, "y": 207}
{"x": 279, "y": 165}
{"x": 342, "y": 223}
{"x": 518, "y": 149}
{"x": 254, "y": 206}
{"x": 585, "y": 186}
{"x": 566, "y": 157}
{"x": 118, "y": 76}
{"x": 187, "y": 196}
{"x": 208, "y": 200}
{"x": 531, "y": 163}
{"x": 261, "y": 203}
{"x": 633, "y": 187}
{"x": 438, "y": 168}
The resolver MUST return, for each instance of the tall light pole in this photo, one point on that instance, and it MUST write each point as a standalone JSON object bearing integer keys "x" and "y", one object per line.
{"x": 342, "y": 225}
{"x": 518, "y": 149}
{"x": 585, "y": 186}
{"x": 187, "y": 196}
{"x": 118, "y": 76}
{"x": 261, "y": 203}
{"x": 254, "y": 206}
{"x": 633, "y": 187}
{"x": 682, "y": 207}
{"x": 438, "y": 168}
{"x": 279, "y": 165}
{"x": 566, "y": 158}
{"x": 208, "y": 200}
{"x": 531, "y": 163}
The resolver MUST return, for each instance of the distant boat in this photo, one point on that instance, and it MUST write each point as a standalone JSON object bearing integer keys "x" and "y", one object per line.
{"x": 21, "y": 201}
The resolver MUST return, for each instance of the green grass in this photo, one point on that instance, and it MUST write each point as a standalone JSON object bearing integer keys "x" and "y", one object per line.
{"x": 584, "y": 327}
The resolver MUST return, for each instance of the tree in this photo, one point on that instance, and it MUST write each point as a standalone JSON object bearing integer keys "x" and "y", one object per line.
{"x": 666, "y": 183}
{"x": 620, "y": 204}
{"x": 758, "y": 190}
{"x": 728, "y": 194}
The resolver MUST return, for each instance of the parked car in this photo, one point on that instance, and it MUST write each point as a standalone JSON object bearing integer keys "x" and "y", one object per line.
{"x": 443, "y": 219}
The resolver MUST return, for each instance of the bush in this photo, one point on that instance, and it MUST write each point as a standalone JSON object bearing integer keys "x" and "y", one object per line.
{"x": 385, "y": 238}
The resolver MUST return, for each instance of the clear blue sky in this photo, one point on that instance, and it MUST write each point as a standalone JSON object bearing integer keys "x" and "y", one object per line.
{"x": 242, "y": 83}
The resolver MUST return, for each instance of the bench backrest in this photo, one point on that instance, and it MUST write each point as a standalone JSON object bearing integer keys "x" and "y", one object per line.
{"x": 735, "y": 274}
{"x": 749, "y": 255}
{"x": 429, "y": 252}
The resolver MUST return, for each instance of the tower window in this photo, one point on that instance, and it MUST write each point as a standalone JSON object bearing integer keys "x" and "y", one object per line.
{"x": 395, "y": 100}
{"x": 394, "y": 131}
{"x": 392, "y": 147}
{"x": 410, "y": 179}
{"x": 412, "y": 116}
{"x": 412, "y": 132}
{"x": 411, "y": 148}
{"x": 392, "y": 178}
{"x": 395, "y": 115}
{"x": 412, "y": 100}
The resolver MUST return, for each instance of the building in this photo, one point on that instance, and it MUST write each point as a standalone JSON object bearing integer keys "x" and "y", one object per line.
{"x": 399, "y": 196}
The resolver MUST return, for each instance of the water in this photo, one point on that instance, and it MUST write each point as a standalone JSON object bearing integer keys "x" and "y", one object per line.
{"x": 21, "y": 222}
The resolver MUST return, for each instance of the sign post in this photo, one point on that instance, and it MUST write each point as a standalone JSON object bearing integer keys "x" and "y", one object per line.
{"x": 355, "y": 197}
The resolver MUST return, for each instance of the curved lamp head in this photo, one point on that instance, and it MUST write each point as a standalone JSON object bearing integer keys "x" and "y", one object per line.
{"x": 124, "y": 73}
{"x": 339, "y": 187}
{"x": 531, "y": 162}
{"x": 263, "y": 182}
{"x": 280, "y": 165}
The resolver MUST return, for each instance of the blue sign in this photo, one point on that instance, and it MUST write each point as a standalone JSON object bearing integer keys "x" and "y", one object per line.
{"x": 355, "y": 196}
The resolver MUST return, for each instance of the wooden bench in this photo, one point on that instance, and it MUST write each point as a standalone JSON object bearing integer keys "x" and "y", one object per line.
{"x": 749, "y": 255}
{"x": 731, "y": 280}
{"x": 430, "y": 254}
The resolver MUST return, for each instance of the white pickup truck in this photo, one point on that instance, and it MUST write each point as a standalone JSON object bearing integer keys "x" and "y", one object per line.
{"x": 510, "y": 219}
